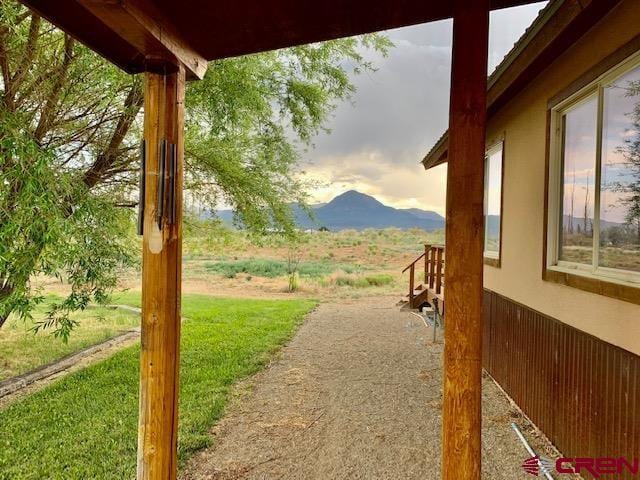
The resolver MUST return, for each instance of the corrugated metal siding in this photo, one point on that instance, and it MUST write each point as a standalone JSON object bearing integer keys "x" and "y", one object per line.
{"x": 582, "y": 392}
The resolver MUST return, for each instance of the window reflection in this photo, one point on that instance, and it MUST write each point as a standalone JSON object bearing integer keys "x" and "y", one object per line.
{"x": 493, "y": 201}
{"x": 579, "y": 166}
{"x": 620, "y": 179}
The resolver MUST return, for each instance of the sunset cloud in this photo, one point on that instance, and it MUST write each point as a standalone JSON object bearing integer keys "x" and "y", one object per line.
{"x": 398, "y": 113}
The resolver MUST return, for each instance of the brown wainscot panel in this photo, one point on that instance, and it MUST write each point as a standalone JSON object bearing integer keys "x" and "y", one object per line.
{"x": 582, "y": 392}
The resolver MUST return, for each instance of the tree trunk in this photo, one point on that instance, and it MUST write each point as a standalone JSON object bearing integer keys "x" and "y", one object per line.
{"x": 92, "y": 177}
{"x": 5, "y": 292}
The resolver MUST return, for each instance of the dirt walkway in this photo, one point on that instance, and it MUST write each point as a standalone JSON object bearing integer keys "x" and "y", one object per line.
{"x": 356, "y": 394}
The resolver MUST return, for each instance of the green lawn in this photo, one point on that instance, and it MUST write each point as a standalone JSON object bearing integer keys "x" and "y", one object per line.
{"x": 85, "y": 425}
{"x": 22, "y": 351}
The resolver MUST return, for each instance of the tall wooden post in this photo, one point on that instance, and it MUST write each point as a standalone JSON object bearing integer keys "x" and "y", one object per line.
{"x": 464, "y": 234}
{"x": 161, "y": 275}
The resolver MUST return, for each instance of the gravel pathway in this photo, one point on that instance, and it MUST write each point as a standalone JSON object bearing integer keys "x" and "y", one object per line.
{"x": 356, "y": 394}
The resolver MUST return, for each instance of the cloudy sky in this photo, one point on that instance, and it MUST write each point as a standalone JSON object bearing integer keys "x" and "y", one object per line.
{"x": 398, "y": 113}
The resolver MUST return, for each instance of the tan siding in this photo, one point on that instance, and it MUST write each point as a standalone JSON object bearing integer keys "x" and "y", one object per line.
{"x": 524, "y": 123}
{"x": 582, "y": 392}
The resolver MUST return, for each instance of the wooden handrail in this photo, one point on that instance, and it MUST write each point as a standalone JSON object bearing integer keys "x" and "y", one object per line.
{"x": 433, "y": 270}
{"x": 414, "y": 262}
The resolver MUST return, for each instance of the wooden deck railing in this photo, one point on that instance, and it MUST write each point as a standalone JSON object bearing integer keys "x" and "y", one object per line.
{"x": 412, "y": 276}
{"x": 433, "y": 272}
{"x": 434, "y": 267}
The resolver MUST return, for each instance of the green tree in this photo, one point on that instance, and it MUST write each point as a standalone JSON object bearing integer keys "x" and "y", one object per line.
{"x": 70, "y": 125}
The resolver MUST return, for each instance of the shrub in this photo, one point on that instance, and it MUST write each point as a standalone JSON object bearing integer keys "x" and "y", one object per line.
{"x": 293, "y": 282}
{"x": 363, "y": 282}
{"x": 379, "y": 280}
{"x": 260, "y": 267}
{"x": 257, "y": 267}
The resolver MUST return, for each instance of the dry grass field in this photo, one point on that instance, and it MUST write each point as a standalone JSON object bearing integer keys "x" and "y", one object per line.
{"x": 348, "y": 263}
{"x": 223, "y": 262}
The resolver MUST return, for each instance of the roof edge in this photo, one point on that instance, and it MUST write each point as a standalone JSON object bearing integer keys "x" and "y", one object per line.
{"x": 438, "y": 153}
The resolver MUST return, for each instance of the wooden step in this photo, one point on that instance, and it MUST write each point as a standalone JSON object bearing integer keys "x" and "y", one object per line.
{"x": 415, "y": 293}
{"x": 419, "y": 297}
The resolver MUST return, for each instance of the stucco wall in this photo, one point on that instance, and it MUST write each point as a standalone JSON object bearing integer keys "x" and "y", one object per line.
{"x": 524, "y": 122}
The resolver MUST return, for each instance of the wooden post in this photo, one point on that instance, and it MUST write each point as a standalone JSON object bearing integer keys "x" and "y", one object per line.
{"x": 427, "y": 247}
{"x": 439, "y": 252}
{"x": 161, "y": 276}
{"x": 461, "y": 445}
{"x": 412, "y": 272}
{"x": 432, "y": 266}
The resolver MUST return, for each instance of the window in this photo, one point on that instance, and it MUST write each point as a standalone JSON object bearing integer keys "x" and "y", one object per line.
{"x": 594, "y": 189}
{"x": 493, "y": 201}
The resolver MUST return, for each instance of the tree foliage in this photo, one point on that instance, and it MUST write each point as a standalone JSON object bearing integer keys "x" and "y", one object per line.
{"x": 70, "y": 125}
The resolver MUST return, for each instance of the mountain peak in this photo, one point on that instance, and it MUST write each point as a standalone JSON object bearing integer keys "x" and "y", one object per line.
{"x": 352, "y": 193}
{"x": 353, "y": 197}
{"x": 356, "y": 210}
{"x": 353, "y": 209}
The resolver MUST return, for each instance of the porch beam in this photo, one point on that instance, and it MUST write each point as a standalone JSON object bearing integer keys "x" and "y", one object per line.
{"x": 161, "y": 276}
{"x": 464, "y": 235}
{"x": 141, "y": 24}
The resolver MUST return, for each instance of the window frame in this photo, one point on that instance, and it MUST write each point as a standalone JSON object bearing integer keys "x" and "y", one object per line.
{"x": 493, "y": 259}
{"x": 555, "y": 186}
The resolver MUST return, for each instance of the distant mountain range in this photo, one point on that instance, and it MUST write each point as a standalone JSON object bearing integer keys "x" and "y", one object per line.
{"x": 355, "y": 210}
{"x": 579, "y": 222}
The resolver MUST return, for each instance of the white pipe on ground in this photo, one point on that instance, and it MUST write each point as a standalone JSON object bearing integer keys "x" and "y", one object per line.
{"x": 543, "y": 468}
{"x": 424, "y": 320}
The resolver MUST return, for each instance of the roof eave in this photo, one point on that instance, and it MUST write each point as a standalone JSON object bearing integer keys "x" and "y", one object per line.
{"x": 544, "y": 35}
{"x": 438, "y": 153}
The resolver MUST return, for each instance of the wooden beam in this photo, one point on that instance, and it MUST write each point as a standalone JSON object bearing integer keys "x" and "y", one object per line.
{"x": 146, "y": 28}
{"x": 461, "y": 446}
{"x": 215, "y": 30}
{"x": 161, "y": 276}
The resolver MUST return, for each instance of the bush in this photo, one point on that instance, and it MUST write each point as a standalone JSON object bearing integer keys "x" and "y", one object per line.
{"x": 344, "y": 281}
{"x": 260, "y": 267}
{"x": 293, "y": 282}
{"x": 363, "y": 282}
{"x": 379, "y": 280}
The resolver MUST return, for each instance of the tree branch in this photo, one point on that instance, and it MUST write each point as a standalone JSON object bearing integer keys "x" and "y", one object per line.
{"x": 105, "y": 160}
{"x": 4, "y": 59}
{"x": 48, "y": 112}
{"x": 27, "y": 60}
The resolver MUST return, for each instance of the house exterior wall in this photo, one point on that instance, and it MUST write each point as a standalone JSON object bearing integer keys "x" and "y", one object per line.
{"x": 523, "y": 123}
{"x": 583, "y": 393}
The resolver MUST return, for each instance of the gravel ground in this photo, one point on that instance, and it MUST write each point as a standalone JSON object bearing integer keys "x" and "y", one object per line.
{"x": 356, "y": 394}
